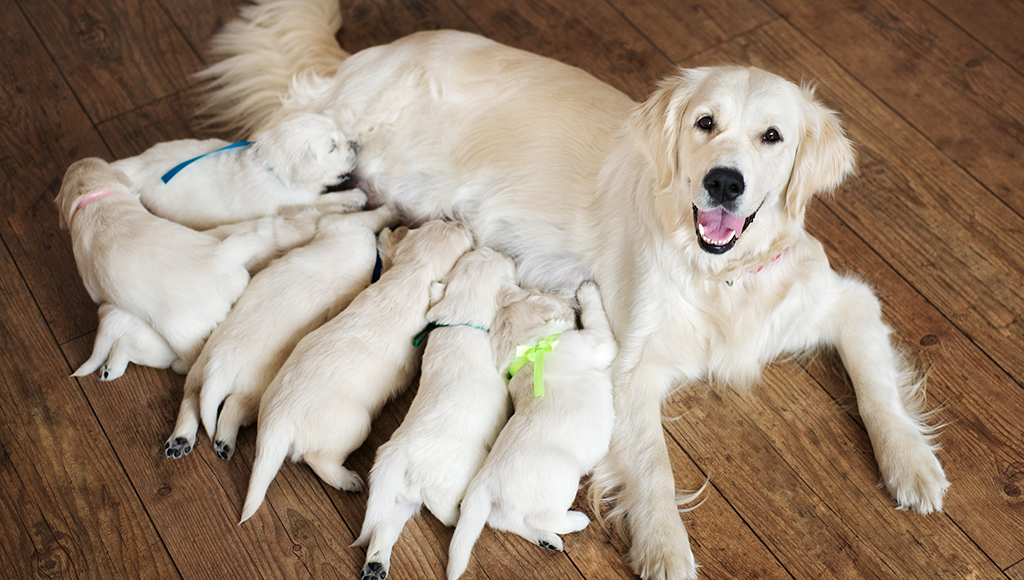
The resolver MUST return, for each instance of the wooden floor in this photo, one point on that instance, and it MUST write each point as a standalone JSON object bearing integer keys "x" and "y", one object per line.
{"x": 932, "y": 93}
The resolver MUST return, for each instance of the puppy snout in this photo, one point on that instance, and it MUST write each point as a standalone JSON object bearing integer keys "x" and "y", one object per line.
{"x": 724, "y": 185}
{"x": 353, "y": 147}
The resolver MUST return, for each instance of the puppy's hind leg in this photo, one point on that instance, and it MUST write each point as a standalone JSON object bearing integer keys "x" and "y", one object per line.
{"x": 239, "y": 410}
{"x": 183, "y": 439}
{"x": 327, "y": 465}
{"x": 383, "y": 538}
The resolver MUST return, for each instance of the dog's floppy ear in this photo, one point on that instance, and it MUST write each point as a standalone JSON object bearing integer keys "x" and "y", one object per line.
{"x": 824, "y": 158}
{"x": 656, "y": 123}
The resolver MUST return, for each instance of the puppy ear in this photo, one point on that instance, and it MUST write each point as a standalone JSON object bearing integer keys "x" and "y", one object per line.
{"x": 656, "y": 123}
{"x": 511, "y": 294}
{"x": 824, "y": 158}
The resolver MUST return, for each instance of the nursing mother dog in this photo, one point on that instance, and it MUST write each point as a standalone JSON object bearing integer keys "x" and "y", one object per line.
{"x": 688, "y": 211}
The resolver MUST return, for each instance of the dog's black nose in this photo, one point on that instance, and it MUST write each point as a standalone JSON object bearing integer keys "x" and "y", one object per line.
{"x": 724, "y": 185}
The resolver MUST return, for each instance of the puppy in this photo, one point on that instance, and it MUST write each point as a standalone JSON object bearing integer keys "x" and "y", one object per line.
{"x": 532, "y": 474}
{"x": 203, "y": 184}
{"x": 460, "y": 405}
{"x": 179, "y": 282}
{"x": 319, "y": 407}
{"x": 123, "y": 338}
{"x": 283, "y": 303}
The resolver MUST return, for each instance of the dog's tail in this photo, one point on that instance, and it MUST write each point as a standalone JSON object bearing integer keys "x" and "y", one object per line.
{"x": 113, "y": 324}
{"x": 260, "y": 52}
{"x": 273, "y": 441}
{"x": 476, "y": 507}
{"x": 217, "y": 384}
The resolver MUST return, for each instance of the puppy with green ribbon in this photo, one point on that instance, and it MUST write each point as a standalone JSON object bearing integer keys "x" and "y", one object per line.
{"x": 561, "y": 389}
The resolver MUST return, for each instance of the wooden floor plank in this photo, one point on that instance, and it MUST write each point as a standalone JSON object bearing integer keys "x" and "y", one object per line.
{"x": 371, "y": 22}
{"x": 893, "y": 165}
{"x": 43, "y": 131}
{"x": 682, "y": 29}
{"x": 115, "y": 54}
{"x": 996, "y": 26}
{"x": 199, "y": 19}
{"x": 588, "y": 34}
{"x": 79, "y": 512}
{"x": 1016, "y": 572}
{"x": 953, "y": 90}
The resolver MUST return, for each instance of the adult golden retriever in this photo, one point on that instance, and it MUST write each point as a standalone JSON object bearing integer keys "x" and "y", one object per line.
{"x": 687, "y": 210}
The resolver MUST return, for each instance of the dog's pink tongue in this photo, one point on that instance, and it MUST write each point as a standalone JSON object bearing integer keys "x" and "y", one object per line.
{"x": 719, "y": 225}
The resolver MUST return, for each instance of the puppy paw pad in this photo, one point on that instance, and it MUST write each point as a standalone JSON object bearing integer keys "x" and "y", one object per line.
{"x": 374, "y": 571}
{"x": 177, "y": 447}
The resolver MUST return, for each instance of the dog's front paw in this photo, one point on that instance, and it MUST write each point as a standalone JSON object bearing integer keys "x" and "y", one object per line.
{"x": 662, "y": 551}
{"x": 177, "y": 447}
{"x": 374, "y": 571}
{"x": 913, "y": 475}
{"x": 224, "y": 450}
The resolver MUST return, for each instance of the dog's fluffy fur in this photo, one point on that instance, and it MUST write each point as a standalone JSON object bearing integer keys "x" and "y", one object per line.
{"x": 283, "y": 303}
{"x": 530, "y": 478}
{"x": 289, "y": 164}
{"x": 574, "y": 180}
{"x": 123, "y": 338}
{"x": 460, "y": 406}
{"x": 319, "y": 407}
{"x": 179, "y": 282}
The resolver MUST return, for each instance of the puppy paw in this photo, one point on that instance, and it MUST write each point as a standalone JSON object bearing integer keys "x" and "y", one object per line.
{"x": 549, "y": 546}
{"x": 374, "y": 571}
{"x": 224, "y": 450}
{"x": 109, "y": 373}
{"x": 177, "y": 447}
{"x": 913, "y": 476}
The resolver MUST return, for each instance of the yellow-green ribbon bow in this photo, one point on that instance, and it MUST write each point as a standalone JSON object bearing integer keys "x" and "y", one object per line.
{"x": 535, "y": 355}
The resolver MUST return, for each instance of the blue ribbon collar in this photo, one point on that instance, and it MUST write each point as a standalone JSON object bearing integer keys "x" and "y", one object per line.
{"x": 174, "y": 171}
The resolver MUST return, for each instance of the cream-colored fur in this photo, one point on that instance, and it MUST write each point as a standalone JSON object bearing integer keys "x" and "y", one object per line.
{"x": 460, "y": 406}
{"x": 123, "y": 338}
{"x": 179, "y": 282}
{"x": 319, "y": 407}
{"x": 530, "y": 478}
{"x": 294, "y": 295}
{"x": 289, "y": 164}
{"x": 574, "y": 180}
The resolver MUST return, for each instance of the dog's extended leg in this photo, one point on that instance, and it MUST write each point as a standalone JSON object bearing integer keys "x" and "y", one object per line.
{"x": 238, "y": 411}
{"x": 889, "y": 399}
{"x": 639, "y": 467}
{"x": 382, "y": 541}
{"x": 183, "y": 439}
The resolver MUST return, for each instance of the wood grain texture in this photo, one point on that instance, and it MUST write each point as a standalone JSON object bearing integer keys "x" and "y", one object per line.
{"x": 368, "y": 23}
{"x": 117, "y": 54}
{"x": 949, "y": 87}
{"x": 73, "y": 510}
{"x": 996, "y": 25}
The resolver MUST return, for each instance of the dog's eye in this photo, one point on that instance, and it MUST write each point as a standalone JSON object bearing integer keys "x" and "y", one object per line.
{"x": 334, "y": 145}
{"x": 772, "y": 135}
{"x": 705, "y": 123}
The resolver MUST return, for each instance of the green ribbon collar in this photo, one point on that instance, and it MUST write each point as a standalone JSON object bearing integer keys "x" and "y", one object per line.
{"x": 422, "y": 336}
{"x": 535, "y": 355}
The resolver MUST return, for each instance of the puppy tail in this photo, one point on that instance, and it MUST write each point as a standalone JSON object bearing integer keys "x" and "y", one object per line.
{"x": 112, "y": 325}
{"x": 259, "y": 53}
{"x": 272, "y": 444}
{"x": 216, "y": 387}
{"x": 476, "y": 507}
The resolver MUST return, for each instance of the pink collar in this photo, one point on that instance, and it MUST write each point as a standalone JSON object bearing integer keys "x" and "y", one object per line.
{"x": 90, "y": 198}
{"x": 763, "y": 266}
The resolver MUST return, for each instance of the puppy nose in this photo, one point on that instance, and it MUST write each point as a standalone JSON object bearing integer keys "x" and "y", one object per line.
{"x": 724, "y": 185}
{"x": 353, "y": 147}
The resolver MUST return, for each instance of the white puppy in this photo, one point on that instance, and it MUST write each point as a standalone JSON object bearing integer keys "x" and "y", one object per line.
{"x": 283, "y": 303}
{"x": 122, "y": 338}
{"x": 530, "y": 479}
{"x": 460, "y": 406}
{"x": 319, "y": 407}
{"x": 179, "y": 282}
{"x": 203, "y": 184}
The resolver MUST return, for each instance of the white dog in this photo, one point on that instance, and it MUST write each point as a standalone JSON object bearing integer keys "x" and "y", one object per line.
{"x": 122, "y": 338}
{"x": 655, "y": 201}
{"x": 530, "y": 479}
{"x": 460, "y": 405}
{"x": 204, "y": 184}
{"x": 179, "y": 282}
{"x": 283, "y": 303}
{"x": 319, "y": 407}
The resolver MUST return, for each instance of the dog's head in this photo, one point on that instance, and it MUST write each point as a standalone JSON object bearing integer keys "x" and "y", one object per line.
{"x": 526, "y": 319}
{"x": 83, "y": 178}
{"x": 307, "y": 150}
{"x": 476, "y": 288}
{"x": 437, "y": 244}
{"x": 737, "y": 154}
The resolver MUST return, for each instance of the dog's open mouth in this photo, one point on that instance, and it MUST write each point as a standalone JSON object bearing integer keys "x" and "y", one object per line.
{"x": 718, "y": 230}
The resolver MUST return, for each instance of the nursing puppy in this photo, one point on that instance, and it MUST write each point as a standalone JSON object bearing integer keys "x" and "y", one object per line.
{"x": 319, "y": 407}
{"x": 289, "y": 164}
{"x": 283, "y": 303}
{"x": 460, "y": 405}
{"x": 123, "y": 338}
{"x": 529, "y": 480}
{"x": 655, "y": 201}
{"x": 179, "y": 282}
